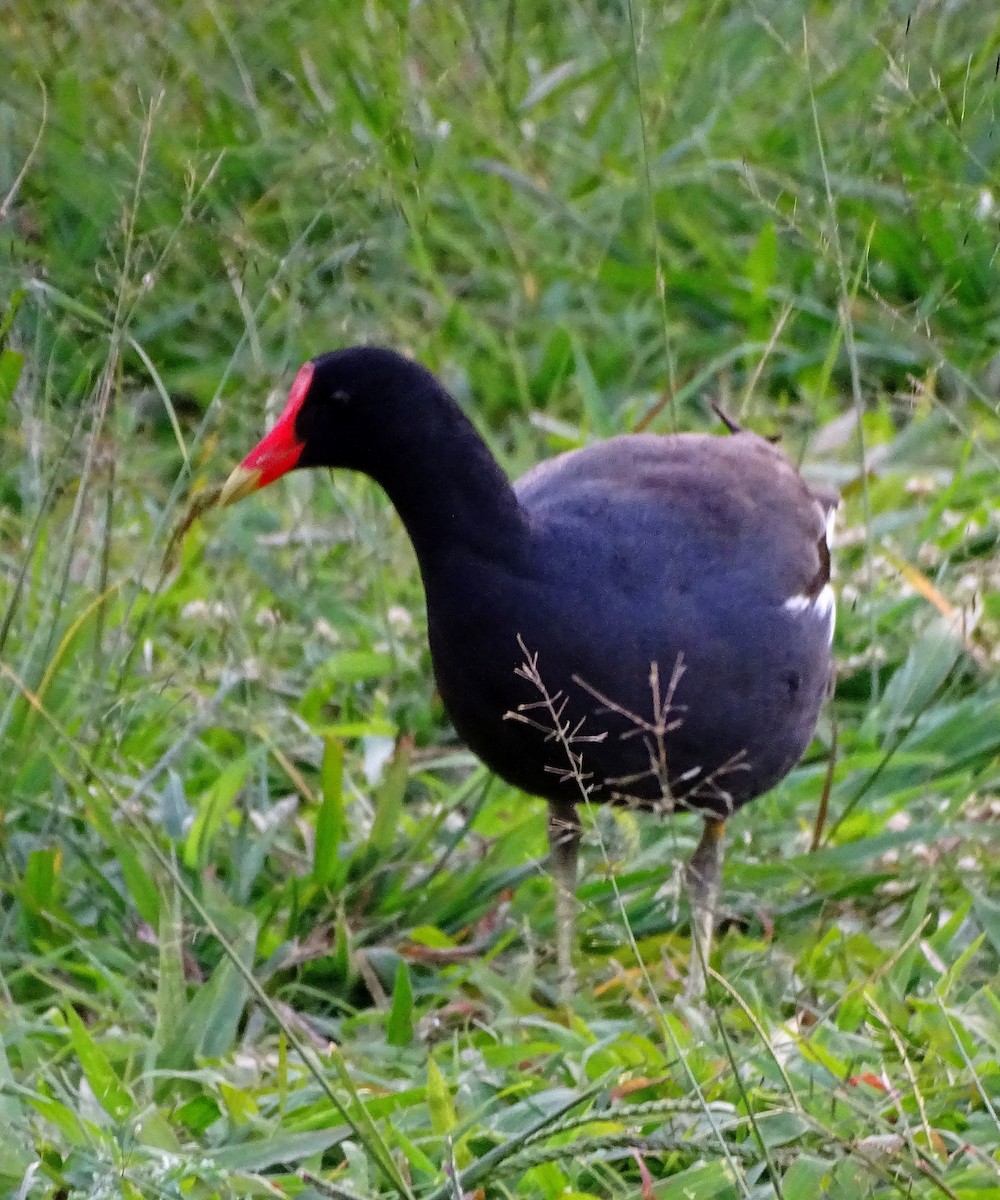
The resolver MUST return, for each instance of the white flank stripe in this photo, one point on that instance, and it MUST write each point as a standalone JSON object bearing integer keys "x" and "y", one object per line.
{"x": 797, "y": 604}
{"x": 823, "y": 607}
{"x": 829, "y": 522}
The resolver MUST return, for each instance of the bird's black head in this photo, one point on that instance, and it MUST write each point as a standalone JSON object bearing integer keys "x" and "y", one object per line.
{"x": 341, "y": 408}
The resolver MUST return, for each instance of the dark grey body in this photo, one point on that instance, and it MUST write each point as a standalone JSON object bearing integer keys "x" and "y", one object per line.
{"x": 702, "y": 540}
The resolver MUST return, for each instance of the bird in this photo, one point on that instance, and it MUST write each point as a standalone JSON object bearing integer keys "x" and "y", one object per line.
{"x": 644, "y": 621}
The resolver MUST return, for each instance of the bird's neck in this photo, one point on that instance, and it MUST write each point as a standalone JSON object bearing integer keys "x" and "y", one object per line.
{"x": 450, "y": 492}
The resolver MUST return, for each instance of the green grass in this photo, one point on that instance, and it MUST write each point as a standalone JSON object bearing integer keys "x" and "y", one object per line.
{"x": 265, "y": 928}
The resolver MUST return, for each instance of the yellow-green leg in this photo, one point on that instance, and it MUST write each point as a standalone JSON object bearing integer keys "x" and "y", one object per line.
{"x": 564, "y": 845}
{"x": 704, "y": 881}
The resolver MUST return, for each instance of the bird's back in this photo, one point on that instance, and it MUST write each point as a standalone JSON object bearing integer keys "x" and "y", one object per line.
{"x": 733, "y": 506}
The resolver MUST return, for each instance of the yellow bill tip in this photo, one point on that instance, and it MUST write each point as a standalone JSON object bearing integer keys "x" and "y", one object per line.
{"x": 241, "y": 483}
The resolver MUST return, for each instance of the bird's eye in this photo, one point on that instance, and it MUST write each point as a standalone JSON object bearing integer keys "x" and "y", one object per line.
{"x": 340, "y": 396}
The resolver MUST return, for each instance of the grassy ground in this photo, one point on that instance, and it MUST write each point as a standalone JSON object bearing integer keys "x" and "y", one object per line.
{"x": 265, "y": 928}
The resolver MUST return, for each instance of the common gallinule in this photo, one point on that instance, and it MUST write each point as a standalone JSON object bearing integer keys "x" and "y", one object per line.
{"x": 644, "y": 621}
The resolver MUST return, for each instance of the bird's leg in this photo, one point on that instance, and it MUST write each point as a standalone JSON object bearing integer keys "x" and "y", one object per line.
{"x": 704, "y": 878}
{"x": 564, "y": 845}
